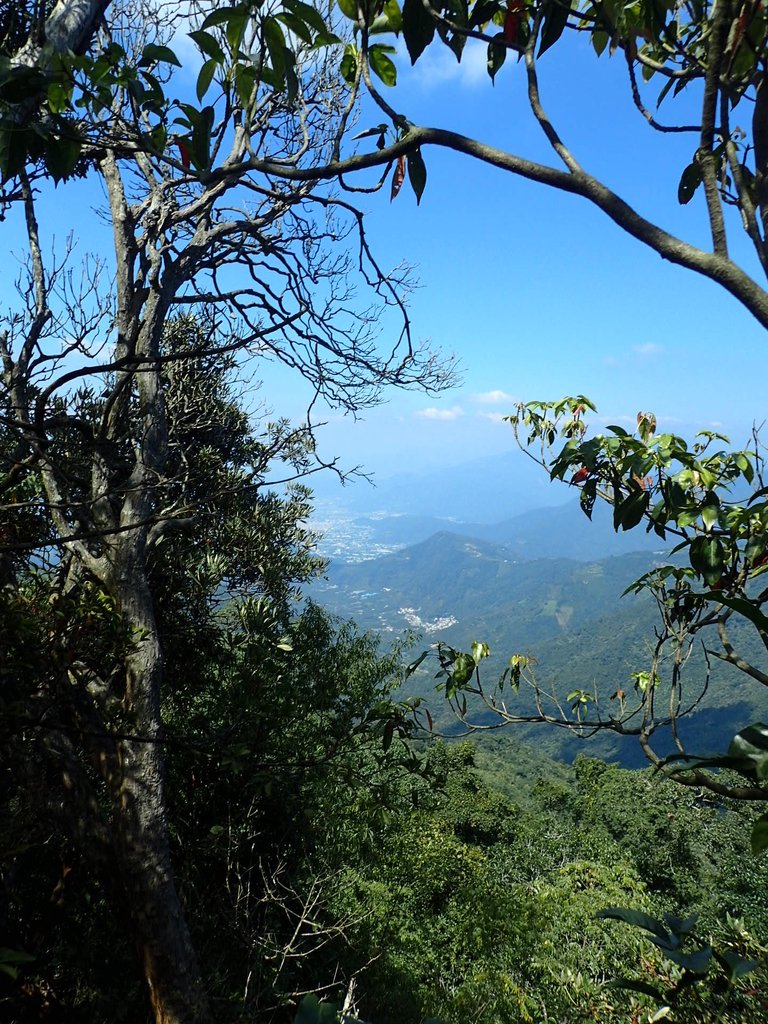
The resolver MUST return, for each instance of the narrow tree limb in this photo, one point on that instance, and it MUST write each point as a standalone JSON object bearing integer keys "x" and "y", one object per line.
{"x": 716, "y": 267}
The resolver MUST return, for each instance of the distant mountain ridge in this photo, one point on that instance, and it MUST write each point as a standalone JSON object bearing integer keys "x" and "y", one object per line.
{"x": 559, "y": 531}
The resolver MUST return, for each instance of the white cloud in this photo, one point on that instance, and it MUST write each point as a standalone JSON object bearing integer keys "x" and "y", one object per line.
{"x": 648, "y": 348}
{"x": 438, "y": 65}
{"x": 493, "y": 398}
{"x": 494, "y": 417}
{"x": 619, "y": 418}
{"x": 441, "y": 414}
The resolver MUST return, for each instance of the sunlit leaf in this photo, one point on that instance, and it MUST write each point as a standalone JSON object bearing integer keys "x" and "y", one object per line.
{"x": 348, "y": 66}
{"x": 382, "y": 65}
{"x": 348, "y": 8}
{"x": 204, "y": 79}
{"x": 307, "y": 13}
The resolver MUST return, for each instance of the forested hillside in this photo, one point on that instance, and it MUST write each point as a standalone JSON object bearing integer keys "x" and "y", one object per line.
{"x": 569, "y": 616}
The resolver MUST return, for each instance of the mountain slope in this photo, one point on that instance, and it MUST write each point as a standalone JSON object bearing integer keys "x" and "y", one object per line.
{"x": 566, "y": 614}
{"x": 480, "y": 586}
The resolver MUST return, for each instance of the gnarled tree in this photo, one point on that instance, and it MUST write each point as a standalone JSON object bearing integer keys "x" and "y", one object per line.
{"x": 97, "y": 467}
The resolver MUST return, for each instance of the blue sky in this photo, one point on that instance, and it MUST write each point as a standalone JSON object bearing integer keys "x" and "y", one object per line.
{"x": 535, "y": 293}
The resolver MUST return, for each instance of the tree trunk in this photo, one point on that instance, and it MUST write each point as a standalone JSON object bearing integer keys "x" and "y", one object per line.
{"x": 142, "y": 850}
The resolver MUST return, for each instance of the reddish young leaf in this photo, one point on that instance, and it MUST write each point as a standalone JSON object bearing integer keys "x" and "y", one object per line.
{"x": 398, "y": 177}
{"x": 580, "y": 475}
{"x": 185, "y": 158}
{"x": 511, "y": 26}
{"x": 511, "y": 29}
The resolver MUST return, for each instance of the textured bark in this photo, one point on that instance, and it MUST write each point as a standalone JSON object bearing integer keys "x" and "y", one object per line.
{"x": 142, "y": 850}
{"x": 71, "y": 25}
{"x": 136, "y": 780}
{"x": 760, "y": 136}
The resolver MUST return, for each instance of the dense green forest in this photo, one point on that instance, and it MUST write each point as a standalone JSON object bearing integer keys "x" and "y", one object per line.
{"x": 219, "y": 801}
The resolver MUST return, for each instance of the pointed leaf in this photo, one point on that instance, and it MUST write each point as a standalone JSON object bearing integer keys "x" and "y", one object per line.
{"x": 209, "y": 45}
{"x": 497, "y": 54}
{"x": 418, "y": 28}
{"x": 308, "y": 14}
{"x": 417, "y": 173}
{"x": 394, "y": 16}
{"x": 741, "y": 605}
{"x": 555, "y": 19}
{"x": 689, "y": 182}
{"x": 275, "y": 40}
{"x": 681, "y": 925}
{"x": 61, "y": 156}
{"x": 636, "y": 918}
{"x": 410, "y": 669}
{"x": 13, "y": 150}
{"x": 204, "y": 79}
{"x": 245, "y": 82}
{"x": 348, "y": 66}
{"x": 220, "y": 16}
{"x": 696, "y": 963}
{"x": 600, "y": 40}
{"x": 200, "y": 143}
{"x": 398, "y": 177}
{"x": 630, "y": 985}
{"x": 380, "y": 129}
{"x": 296, "y": 25}
{"x": 735, "y": 965}
{"x": 629, "y": 512}
{"x": 707, "y": 558}
{"x": 235, "y": 29}
{"x": 154, "y": 54}
{"x": 348, "y": 8}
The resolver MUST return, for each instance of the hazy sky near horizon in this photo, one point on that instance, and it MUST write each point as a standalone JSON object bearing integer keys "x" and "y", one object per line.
{"x": 535, "y": 293}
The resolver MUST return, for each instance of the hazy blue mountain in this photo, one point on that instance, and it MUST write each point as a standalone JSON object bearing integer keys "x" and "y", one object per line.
{"x": 561, "y": 531}
{"x": 565, "y": 532}
{"x": 485, "y": 490}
